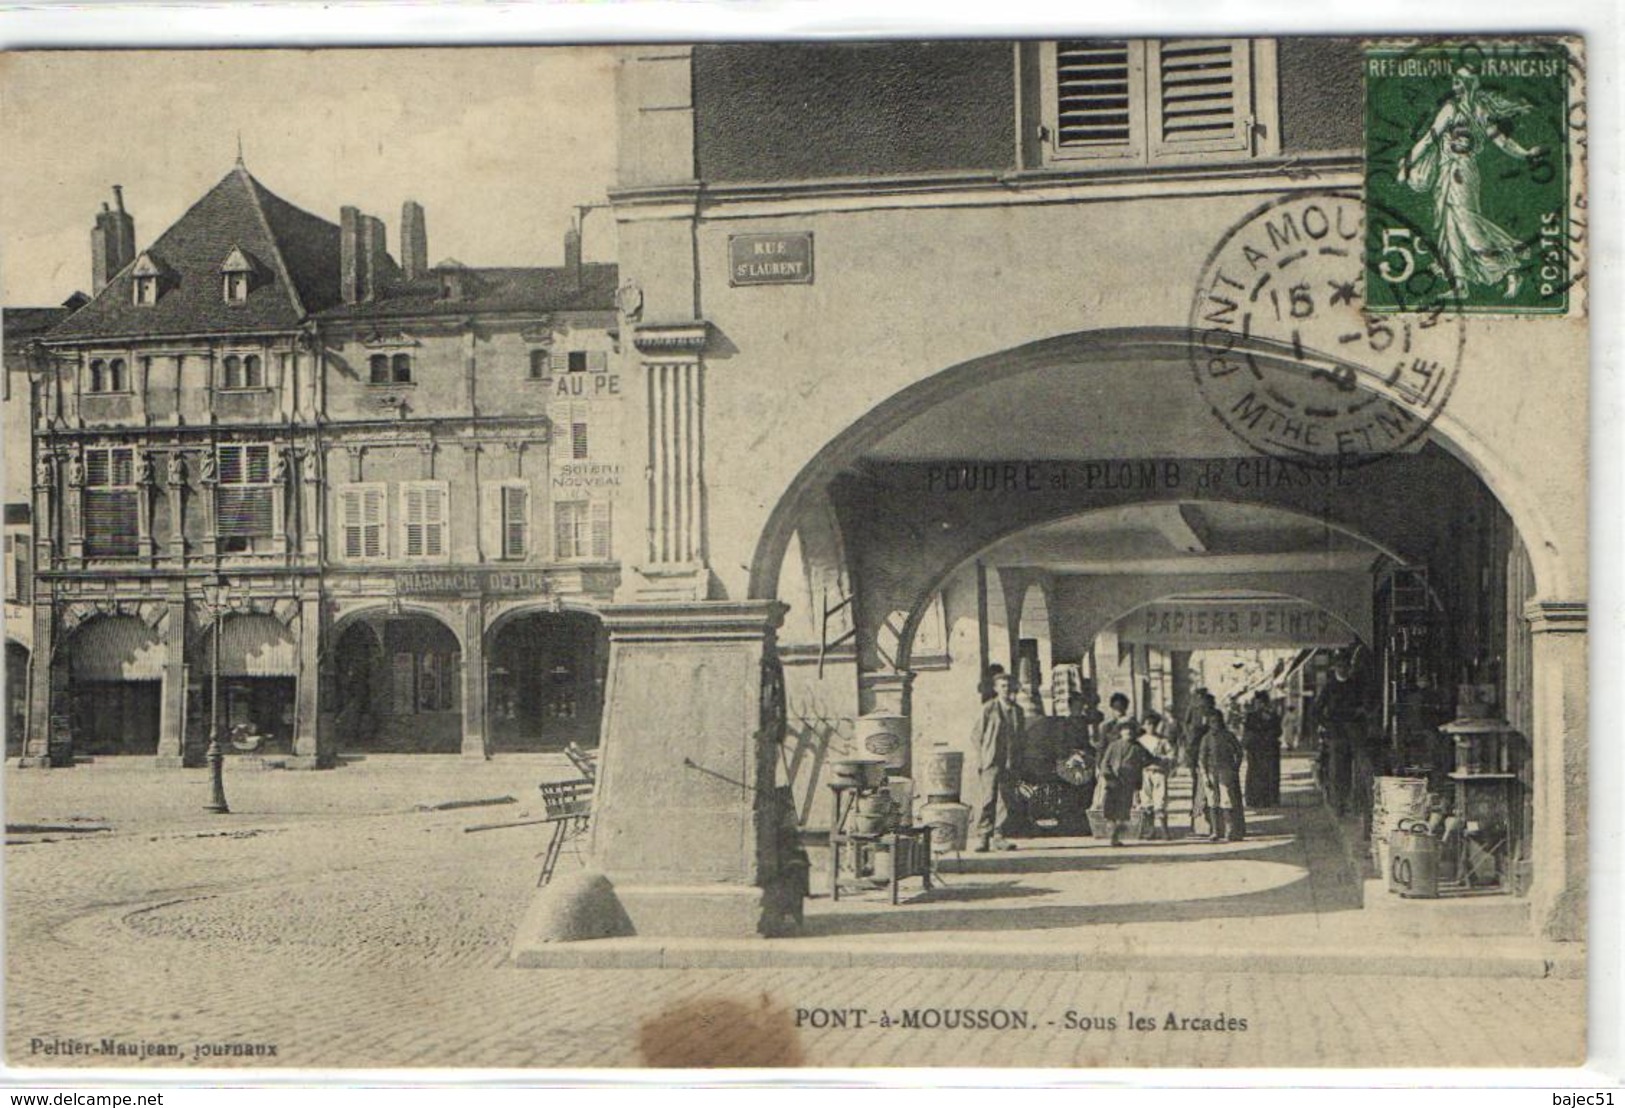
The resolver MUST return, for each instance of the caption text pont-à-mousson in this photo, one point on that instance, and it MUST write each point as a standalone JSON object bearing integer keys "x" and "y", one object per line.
{"x": 1015, "y": 1019}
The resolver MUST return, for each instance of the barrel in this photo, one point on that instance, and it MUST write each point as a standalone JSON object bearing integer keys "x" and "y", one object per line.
{"x": 884, "y": 735}
{"x": 950, "y": 825}
{"x": 943, "y": 770}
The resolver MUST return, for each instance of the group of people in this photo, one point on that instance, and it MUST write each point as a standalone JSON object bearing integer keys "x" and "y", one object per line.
{"x": 1132, "y": 761}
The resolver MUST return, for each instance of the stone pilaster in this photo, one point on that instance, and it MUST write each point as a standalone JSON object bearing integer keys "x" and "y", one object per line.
{"x": 36, "y": 743}
{"x": 309, "y": 749}
{"x": 671, "y": 564}
{"x": 1561, "y": 749}
{"x": 475, "y": 745}
{"x": 172, "y": 702}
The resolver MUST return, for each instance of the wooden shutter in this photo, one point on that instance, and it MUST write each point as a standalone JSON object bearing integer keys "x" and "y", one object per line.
{"x": 601, "y": 530}
{"x": 1093, "y": 107}
{"x": 243, "y": 498}
{"x": 1201, "y": 96}
{"x": 578, "y": 440}
{"x": 361, "y": 521}
{"x": 350, "y": 522}
{"x": 423, "y": 519}
{"x": 515, "y": 520}
{"x": 434, "y": 521}
{"x": 566, "y": 514}
{"x": 413, "y": 510}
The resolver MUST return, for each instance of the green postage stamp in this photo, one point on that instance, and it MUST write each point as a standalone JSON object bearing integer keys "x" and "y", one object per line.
{"x": 1467, "y": 176}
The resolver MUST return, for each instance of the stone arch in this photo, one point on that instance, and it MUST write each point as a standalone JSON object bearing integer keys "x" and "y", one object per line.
{"x": 1105, "y": 350}
{"x": 918, "y": 603}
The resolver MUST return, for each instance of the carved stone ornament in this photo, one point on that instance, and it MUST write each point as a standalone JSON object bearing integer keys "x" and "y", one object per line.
{"x": 177, "y": 469}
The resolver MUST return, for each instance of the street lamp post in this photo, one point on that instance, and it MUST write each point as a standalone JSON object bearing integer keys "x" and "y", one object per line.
{"x": 216, "y": 756}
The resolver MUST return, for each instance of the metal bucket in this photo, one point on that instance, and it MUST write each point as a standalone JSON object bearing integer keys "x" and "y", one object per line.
{"x": 1414, "y": 866}
{"x": 943, "y": 771}
{"x": 884, "y": 735}
{"x": 901, "y": 790}
{"x": 950, "y": 825}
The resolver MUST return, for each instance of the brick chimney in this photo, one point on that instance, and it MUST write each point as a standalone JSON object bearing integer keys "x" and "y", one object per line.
{"x": 351, "y": 262}
{"x": 414, "y": 241}
{"x": 376, "y": 252}
{"x": 572, "y": 255}
{"x": 112, "y": 242}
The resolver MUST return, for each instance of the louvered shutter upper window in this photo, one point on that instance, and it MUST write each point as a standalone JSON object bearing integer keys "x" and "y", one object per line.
{"x": 361, "y": 521}
{"x": 1203, "y": 95}
{"x": 1099, "y": 85}
{"x": 243, "y": 498}
{"x": 1142, "y": 102}
{"x": 423, "y": 519}
{"x": 515, "y": 521}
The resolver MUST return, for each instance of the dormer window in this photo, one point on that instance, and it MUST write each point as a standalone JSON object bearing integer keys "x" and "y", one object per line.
{"x": 146, "y": 280}
{"x": 237, "y": 276}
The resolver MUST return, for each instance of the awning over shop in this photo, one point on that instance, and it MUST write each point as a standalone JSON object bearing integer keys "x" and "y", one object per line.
{"x": 253, "y": 646}
{"x": 1207, "y": 624}
{"x": 116, "y": 648}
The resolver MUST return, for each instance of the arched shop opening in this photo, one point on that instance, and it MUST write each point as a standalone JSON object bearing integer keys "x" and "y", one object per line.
{"x": 1085, "y": 477}
{"x": 16, "y": 696}
{"x": 545, "y": 680}
{"x": 259, "y": 667}
{"x": 397, "y": 684}
{"x": 115, "y": 686}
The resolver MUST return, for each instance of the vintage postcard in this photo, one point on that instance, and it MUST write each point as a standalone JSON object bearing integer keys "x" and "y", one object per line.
{"x": 1045, "y": 552}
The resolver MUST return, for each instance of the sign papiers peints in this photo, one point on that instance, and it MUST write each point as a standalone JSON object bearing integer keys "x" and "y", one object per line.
{"x": 1240, "y": 624}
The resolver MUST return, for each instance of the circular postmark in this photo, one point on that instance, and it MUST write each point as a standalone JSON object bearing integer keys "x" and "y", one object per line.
{"x": 1287, "y": 354}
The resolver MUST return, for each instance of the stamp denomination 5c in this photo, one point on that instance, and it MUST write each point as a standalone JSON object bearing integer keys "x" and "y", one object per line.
{"x": 1467, "y": 171}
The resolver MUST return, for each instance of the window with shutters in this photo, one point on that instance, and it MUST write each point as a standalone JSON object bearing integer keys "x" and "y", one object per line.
{"x": 110, "y": 504}
{"x": 515, "y": 508}
{"x": 1132, "y": 101}
{"x": 581, "y": 530}
{"x": 244, "y": 495}
{"x": 578, "y": 440}
{"x": 361, "y": 522}
{"x": 572, "y": 361}
{"x": 423, "y": 520}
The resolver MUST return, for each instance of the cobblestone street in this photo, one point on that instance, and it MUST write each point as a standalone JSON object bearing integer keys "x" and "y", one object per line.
{"x": 381, "y": 938}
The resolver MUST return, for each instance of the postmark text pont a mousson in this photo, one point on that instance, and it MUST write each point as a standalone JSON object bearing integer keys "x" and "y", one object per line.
{"x": 1289, "y": 357}
{"x": 1467, "y": 171}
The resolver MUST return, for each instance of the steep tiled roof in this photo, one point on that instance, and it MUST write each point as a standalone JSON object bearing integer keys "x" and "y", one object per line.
{"x": 537, "y": 289}
{"x": 298, "y": 253}
{"x": 19, "y": 324}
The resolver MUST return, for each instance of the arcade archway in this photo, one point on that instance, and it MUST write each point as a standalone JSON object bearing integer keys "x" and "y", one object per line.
{"x": 958, "y": 501}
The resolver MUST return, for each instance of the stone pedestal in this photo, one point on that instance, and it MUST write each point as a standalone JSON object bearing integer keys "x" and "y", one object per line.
{"x": 686, "y": 826}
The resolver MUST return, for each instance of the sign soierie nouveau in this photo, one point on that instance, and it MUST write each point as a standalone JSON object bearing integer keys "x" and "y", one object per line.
{"x": 770, "y": 259}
